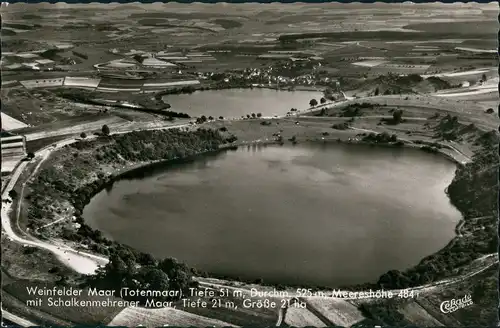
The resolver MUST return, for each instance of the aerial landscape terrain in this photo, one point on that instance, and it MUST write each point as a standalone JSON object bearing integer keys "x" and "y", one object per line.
{"x": 305, "y": 165}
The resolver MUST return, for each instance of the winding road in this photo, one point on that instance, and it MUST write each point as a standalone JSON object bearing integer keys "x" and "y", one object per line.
{"x": 84, "y": 263}
{"x": 81, "y": 262}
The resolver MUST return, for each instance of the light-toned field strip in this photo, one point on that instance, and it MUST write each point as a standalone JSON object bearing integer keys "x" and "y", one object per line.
{"x": 298, "y": 317}
{"x": 77, "y": 128}
{"x": 12, "y": 145}
{"x": 419, "y": 316}
{"x": 404, "y": 66}
{"x": 433, "y": 47}
{"x": 9, "y": 164}
{"x": 468, "y": 93}
{"x": 173, "y": 57}
{"x": 428, "y": 41}
{"x": 6, "y": 153}
{"x": 5, "y": 83}
{"x": 416, "y": 57}
{"x": 17, "y": 320}
{"x": 118, "y": 89}
{"x": 369, "y": 63}
{"x": 338, "y": 311}
{"x": 478, "y": 71}
{"x": 120, "y": 65}
{"x": 491, "y": 51}
{"x": 42, "y": 83}
{"x": 136, "y": 316}
{"x": 89, "y": 83}
{"x": 10, "y": 123}
{"x": 490, "y": 86}
{"x": 465, "y": 73}
{"x": 81, "y": 82}
{"x": 188, "y": 61}
{"x": 168, "y": 84}
{"x": 19, "y": 138}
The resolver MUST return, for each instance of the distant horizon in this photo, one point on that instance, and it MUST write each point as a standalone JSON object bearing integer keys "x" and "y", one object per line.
{"x": 362, "y": 3}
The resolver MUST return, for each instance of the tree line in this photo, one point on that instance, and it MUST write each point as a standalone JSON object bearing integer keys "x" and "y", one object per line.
{"x": 82, "y": 160}
{"x": 137, "y": 270}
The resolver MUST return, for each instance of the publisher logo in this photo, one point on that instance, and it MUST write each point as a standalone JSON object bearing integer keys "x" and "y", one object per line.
{"x": 456, "y": 304}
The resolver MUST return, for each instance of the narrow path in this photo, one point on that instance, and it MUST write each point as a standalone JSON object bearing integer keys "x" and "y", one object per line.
{"x": 51, "y": 223}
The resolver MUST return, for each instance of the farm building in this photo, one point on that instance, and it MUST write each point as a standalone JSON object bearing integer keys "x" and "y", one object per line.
{"x": 274, "y": 56}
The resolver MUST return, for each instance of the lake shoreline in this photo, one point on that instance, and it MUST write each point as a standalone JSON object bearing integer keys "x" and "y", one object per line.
{"x": 252, "y": 131}
{"x": 147, "y": 166}
{"x": 267, "y": 100}
{"x": 98, "y": 222}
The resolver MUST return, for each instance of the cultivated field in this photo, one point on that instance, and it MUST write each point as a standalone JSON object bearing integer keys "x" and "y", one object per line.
{"x": 133, "y": 317}
{"x": 10, "y": 123}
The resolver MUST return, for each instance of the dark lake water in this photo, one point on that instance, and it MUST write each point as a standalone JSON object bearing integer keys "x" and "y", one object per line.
{"x": 319, "y": 214}
{"x": 233, "y": 103}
